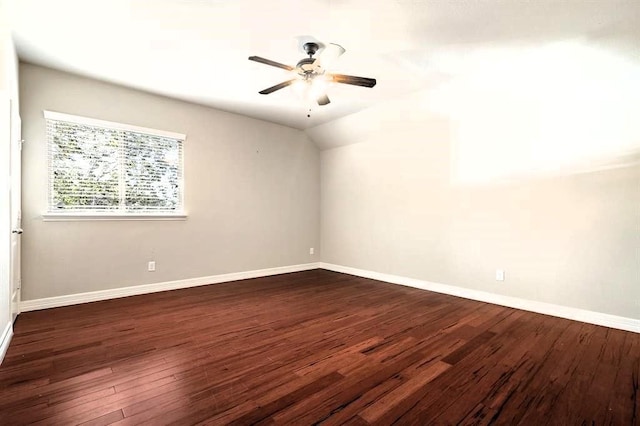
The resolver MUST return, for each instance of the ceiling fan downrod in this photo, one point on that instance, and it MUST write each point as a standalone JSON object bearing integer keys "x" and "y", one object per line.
{"x": 311, "y": 48}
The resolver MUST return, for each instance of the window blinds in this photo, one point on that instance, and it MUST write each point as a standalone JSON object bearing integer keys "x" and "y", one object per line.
{"x": 98, "y": 166}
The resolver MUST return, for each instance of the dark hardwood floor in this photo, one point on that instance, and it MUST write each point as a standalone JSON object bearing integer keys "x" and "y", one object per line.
{"x": 314, "y": 347}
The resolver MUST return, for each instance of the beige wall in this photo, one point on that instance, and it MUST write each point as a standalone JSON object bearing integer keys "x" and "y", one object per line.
{"x": 392, "y": 204}
{"x": 251, "y": 193}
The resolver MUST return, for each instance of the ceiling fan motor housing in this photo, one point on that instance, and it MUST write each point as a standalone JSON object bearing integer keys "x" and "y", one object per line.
{"x": 305, "y": 66}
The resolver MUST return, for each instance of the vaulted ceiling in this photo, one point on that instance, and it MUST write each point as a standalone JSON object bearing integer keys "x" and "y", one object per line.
{"x": 197, "y": 50}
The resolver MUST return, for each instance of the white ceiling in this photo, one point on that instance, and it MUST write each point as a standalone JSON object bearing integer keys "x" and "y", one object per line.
{"x": 197, "y": 50}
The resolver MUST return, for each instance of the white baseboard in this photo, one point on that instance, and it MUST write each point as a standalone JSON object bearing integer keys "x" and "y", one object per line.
{"x": 94, "y": 296}
{"x": 591, "y": 317}
{"x": 5, "y": 339}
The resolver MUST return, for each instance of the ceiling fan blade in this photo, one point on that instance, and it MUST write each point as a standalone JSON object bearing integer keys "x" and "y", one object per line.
{"x": 276, "y": 87}
{"x": 328, "y": 56}
{"x": 353, "y": 80}
{"x": 323, "y": 100}
{"x": 270, "y": 62}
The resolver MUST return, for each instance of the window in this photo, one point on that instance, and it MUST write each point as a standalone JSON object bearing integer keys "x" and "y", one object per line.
{"x": 111, "y": 169}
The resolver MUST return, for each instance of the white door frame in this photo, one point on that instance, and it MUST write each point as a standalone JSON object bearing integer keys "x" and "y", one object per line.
{"x": 15, "y": 189}
{"x": 5, "y": 224}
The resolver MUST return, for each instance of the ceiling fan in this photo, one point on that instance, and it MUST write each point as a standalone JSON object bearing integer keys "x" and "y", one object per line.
{"x": 314, "y": 71}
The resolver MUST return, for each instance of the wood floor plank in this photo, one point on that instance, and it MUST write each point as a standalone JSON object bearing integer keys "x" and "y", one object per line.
{"x": 405, "y": 391}
{"x": 321, "y": 404}
{"x": 314, "y": 347}
{"x": 106, "y": 419}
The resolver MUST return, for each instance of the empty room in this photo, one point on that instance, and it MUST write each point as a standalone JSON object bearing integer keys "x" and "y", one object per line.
{"x": 325, "y": 212}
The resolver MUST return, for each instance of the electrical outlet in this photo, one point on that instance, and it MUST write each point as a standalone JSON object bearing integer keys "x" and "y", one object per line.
{"x": 152, "y": 266}
{"x": 499, "y": 274}
{"x": 311, "y": 251}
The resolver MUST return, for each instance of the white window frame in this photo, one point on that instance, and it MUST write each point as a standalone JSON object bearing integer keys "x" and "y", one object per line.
{"x": 115, "y": 215}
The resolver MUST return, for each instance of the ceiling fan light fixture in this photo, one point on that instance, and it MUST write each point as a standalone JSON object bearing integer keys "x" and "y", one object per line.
{"x": 319, "y": 86}
{"x": 301, "y": 88}
{"x": 308, "y": 90}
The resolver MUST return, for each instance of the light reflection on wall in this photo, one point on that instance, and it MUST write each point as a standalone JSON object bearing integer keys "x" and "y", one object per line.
{"x": 525, "y": 112}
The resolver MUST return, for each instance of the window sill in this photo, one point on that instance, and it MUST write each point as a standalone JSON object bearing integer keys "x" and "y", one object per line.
{"x": 82, "y": 216}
